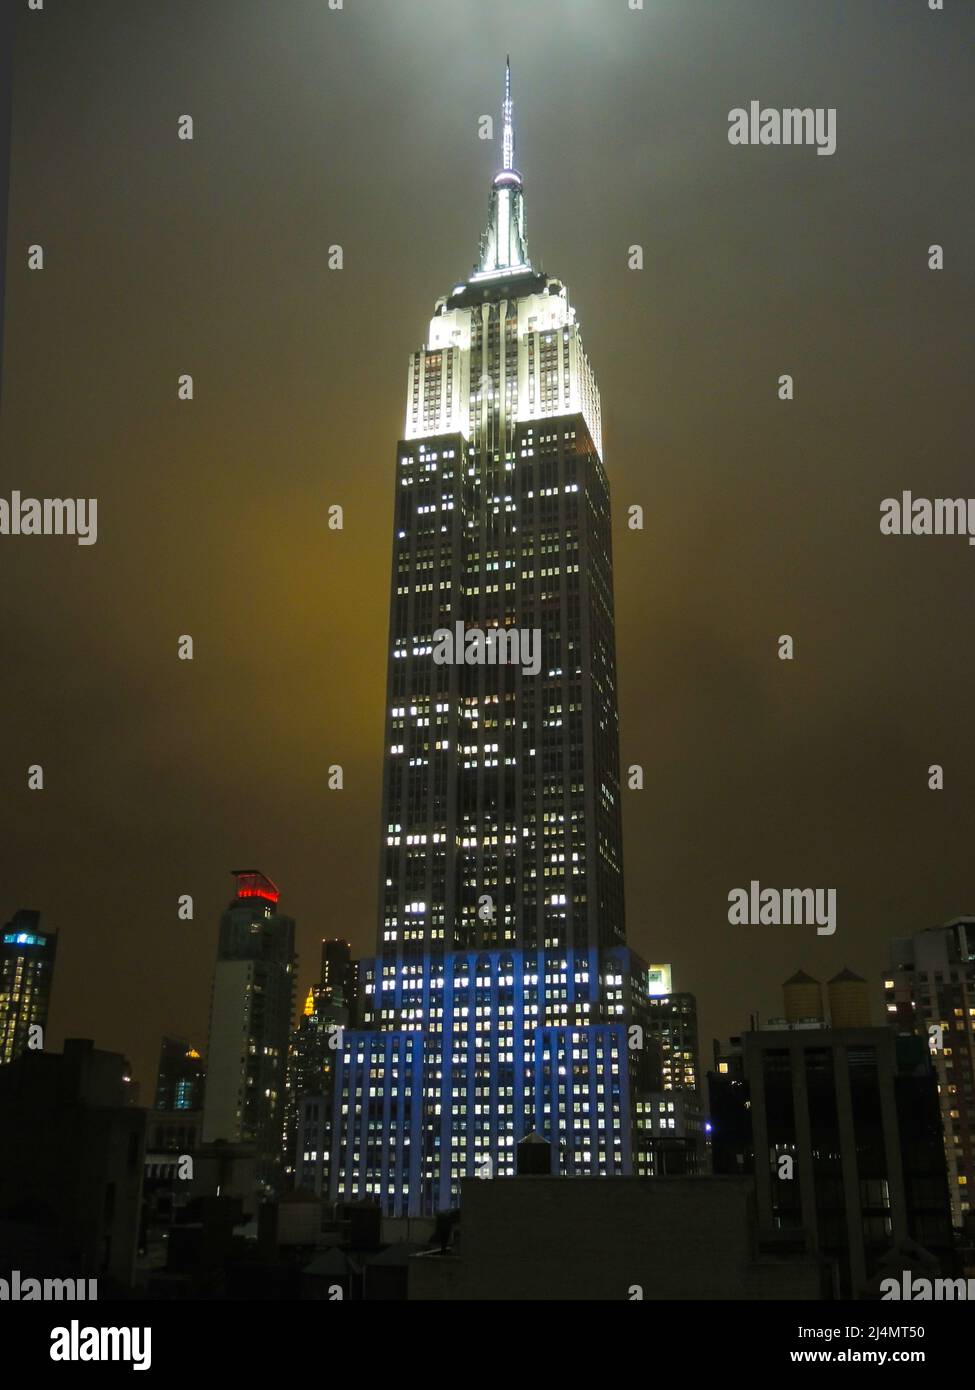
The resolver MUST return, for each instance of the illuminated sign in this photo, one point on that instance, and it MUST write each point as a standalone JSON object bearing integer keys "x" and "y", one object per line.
{"x": 658, "y": 980}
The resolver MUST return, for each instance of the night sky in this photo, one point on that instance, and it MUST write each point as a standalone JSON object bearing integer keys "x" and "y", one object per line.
{"x": 315, "y": 127}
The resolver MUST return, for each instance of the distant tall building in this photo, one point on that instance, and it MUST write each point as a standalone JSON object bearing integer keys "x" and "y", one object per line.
{"x": 26, "y": 974}
{"x": 250, "y": 1020}
{"x": 179, "y": 1081}
{"x": 840, "y": 1128}
{"x": 930, "y": 991}
{"x": 673, "y": 1023}
{"x": 502, "y": 990}
{"x": 673, "y": 1118}
{"x": 338, "y": 975}
{"x": 312, "y": 1058}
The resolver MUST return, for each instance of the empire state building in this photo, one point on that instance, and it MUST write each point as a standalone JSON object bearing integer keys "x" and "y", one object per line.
{"x": 502, "y": 999}
{"x": 501, "y": 789}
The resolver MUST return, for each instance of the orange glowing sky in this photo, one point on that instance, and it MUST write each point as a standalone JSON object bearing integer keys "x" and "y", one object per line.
{"x": 359, "y": 127}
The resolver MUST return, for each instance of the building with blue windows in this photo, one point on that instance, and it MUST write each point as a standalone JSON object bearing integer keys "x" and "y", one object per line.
{"x": 27, "y": 957}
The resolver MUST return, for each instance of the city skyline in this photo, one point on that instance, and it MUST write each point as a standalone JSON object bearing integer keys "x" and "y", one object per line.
{"x": 706, "y": 708}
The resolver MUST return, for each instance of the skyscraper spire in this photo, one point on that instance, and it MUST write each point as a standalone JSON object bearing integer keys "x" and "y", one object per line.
{"x": 509, "y": 130}
{"x": 503, "y": 248}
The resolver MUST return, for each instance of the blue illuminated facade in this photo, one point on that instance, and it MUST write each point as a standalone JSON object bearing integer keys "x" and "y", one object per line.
{"x": 500, "y": 1044}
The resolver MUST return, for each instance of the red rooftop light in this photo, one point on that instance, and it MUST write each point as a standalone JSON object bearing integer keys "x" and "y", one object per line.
{"x": 251, "y": 883}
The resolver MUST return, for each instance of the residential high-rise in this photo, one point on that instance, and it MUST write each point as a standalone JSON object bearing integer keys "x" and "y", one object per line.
{"x": 500, "y": 996}
{"x": 26, "y": 973}
{"x": 930, "y": 990}
{"x": 250, "y": 1019}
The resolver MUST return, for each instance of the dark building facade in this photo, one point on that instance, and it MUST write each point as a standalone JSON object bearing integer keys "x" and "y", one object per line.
{"x": 628, "y": 1240}
{"x": 339, "y": 974}
{"x": 71, "y": 1158}
{"x": 840, "y": 1127}
{"x": 180, "y": 1077}
{"x": 929, "y": 991}
{"x": 27, "y": 957}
